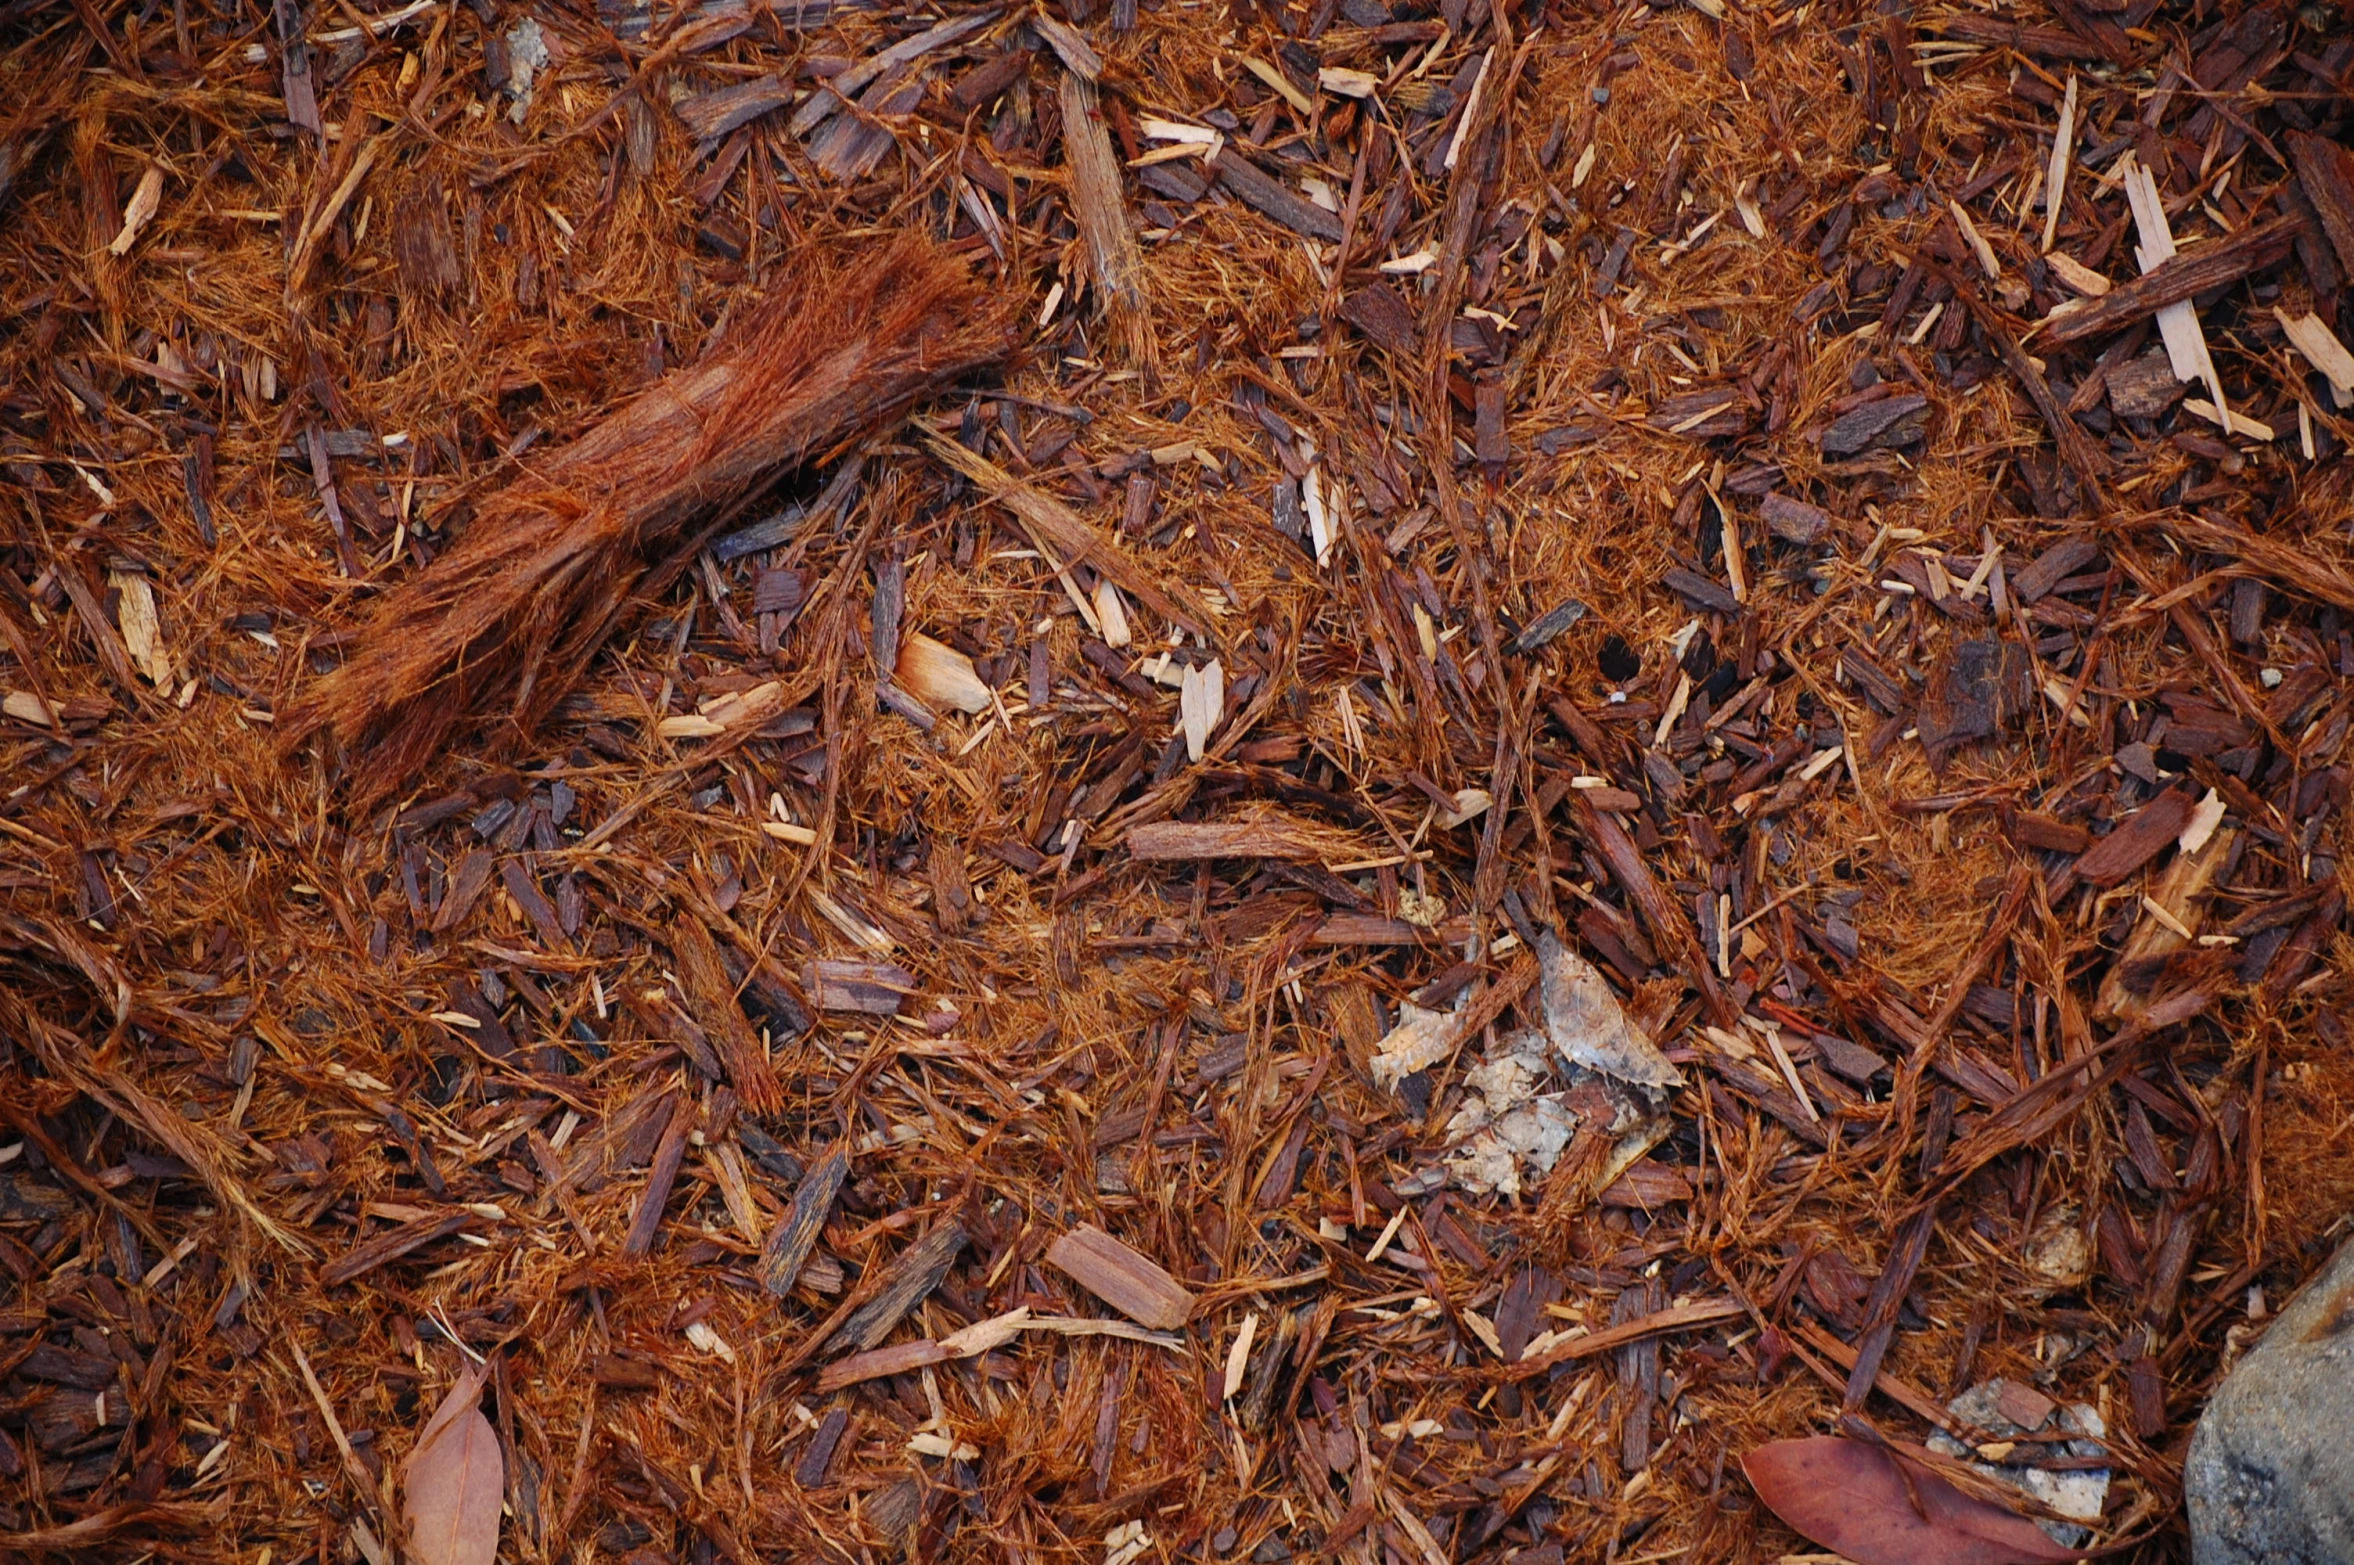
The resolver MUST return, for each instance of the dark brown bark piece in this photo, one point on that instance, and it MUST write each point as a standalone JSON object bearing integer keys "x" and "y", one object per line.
{"x": 870, "y": 988}
{"x": 1568, "y": 437}
{"x": 1708, "y": 413}
{"x": 533, "y": 901}
{"x": 487, "y": 1031}
{"x": 425, "y": 247}
{"x": 2048, "y": 43}
{"x": 390, "y": 1245}
{"x": 661, "y": 1174}
{"x": 1848, "y": 1058}
{"x": 2139, "y": 838}
{"x": 978, "y": 87}
{"x": 104, "y": 640}
{"x": 1875, "y": 681}
{"x": 1793, "y": 521}
{"x": 1384, "y": 316}
{"x": 1272, "y": 198}
{"x": 1911, "y": 567}
{"x": 295, "y": 76}
{"x": 1889, "y": 422}
{"x": 2325, "y": 172}
{"x": 1371, "y": 929}
{"x": 711, "y": 115}
{"x": 1645, "y": 1186}
{"x": 2055, "y": 565}
{"x": 466, "y": 885}
{"x": 615, "y": 1373}
{"x": 2193, "y": 272}
{"x": 625, "y": 1139}
{"x": 1547, "y": 626}
{"x": 1174, "y": 181}
{"x": 796, "y": 1233}
{"x": 1888, "y": 1292}
{"x": 2144, "y": 387}
{"x": 1490, "y": 443}
{"x": 852, "y": 145}
{"x": 908, "y": 1276}
{"x": 1975, "y": 690}
{"x": 1670, "y": 930}
{"x": 2032, "y": 830}
{"x": 1700, "y": 591}
{"x": 810, "y": 1471}
{"x": 899, "y": 1358}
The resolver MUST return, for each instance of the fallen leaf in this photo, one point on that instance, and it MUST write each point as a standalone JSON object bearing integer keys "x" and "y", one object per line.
{"x": 1589, "y": 1026}
{"x": 1421, "y": 1039}
{"x": 1507, "y": 1119}
{"x": 454, "y": 1481}
{"x": 1850, "y": 1497}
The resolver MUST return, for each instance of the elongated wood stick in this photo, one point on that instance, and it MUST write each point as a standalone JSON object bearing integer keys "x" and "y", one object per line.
{"x": 504, "y": 623}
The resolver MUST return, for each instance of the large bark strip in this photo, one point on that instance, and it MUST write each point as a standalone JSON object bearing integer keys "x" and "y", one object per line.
{"x": 1101, "y": 208}
{"x": 2210, "y": 266}
{"x": 510, "y": 616}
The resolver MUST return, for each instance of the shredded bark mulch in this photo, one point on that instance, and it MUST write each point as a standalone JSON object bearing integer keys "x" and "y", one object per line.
{"x": 1211, "y": 782}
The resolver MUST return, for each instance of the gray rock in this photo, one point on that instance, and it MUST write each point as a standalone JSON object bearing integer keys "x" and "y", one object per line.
{"x": 2007, "y": 1410}
{"x": 2270, "y": 1477}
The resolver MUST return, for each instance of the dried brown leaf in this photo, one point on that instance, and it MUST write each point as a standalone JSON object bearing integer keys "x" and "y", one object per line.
{"x": 1851, "y": 1497}
{"x": 453, "y": 1482}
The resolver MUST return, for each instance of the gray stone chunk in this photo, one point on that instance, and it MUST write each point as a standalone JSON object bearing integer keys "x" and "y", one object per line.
{"x": 2270, "y": 1477}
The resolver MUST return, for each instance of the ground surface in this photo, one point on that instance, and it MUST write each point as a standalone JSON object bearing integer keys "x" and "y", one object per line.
{"x": 1597, "y": 453}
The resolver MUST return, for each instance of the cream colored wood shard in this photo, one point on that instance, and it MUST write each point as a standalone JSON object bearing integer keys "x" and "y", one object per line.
{"x": 2311, "y": 336}
{"x": 1112, "y": 613}
{"x": 2076, "y": 274}
{"x": 2178, "y": 323}
{"x": 939, "y": 676}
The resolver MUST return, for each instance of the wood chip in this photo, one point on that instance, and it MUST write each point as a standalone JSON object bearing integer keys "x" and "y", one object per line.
{"x": 1273, "y": 199}
{"x": 2322, "y": 349}
{"x": 796, "y": 1234}
{"x": 2136, "y": 840}
{"x": 389, "y": 1246}
{"x": 1122, "y": 1278}
{"x": 873, "y": 988}
{"x": 1160, "y": 841}
{"x": 1381, "y": 312}
{"x": 907, "y": 1277}
{"x": 2325, "y": 171}
{"x": 1102, "y": 211}
{"x": 2211, "y": 265}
